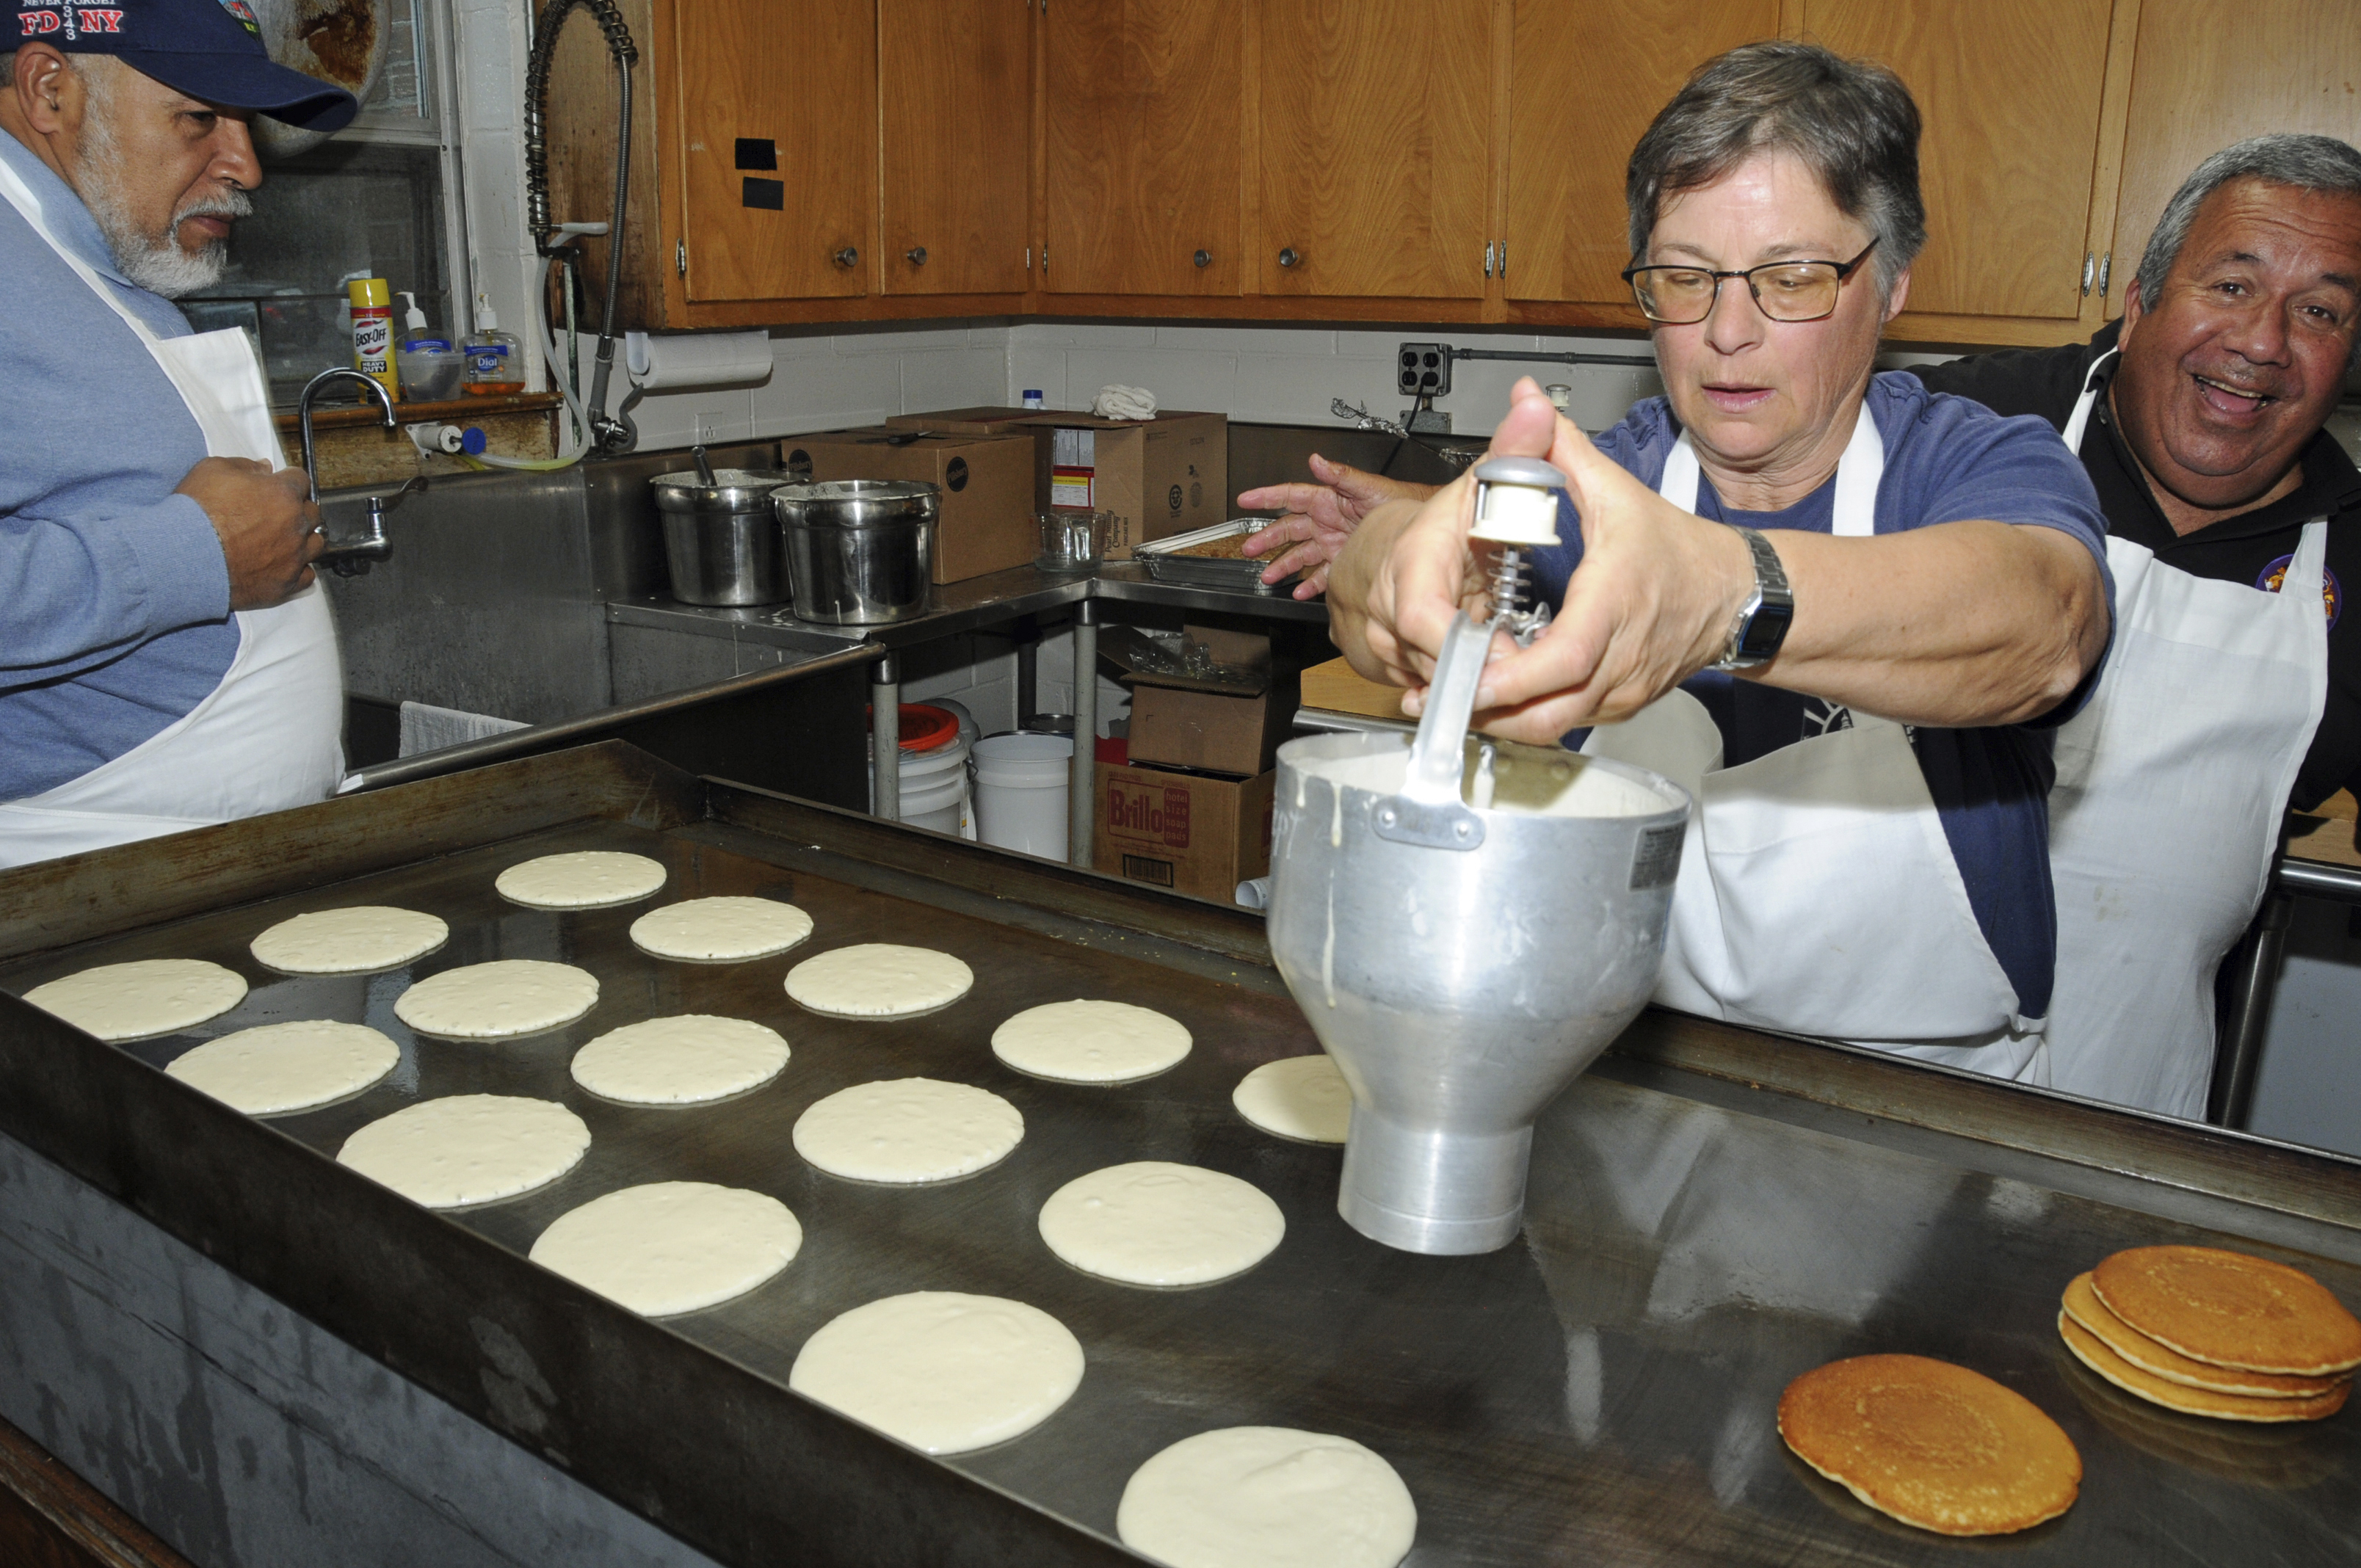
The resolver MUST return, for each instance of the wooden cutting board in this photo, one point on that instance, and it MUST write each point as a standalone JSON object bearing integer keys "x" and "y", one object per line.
{"x": 1335, "y": 688}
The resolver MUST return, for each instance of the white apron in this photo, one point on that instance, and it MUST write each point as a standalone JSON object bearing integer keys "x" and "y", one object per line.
{"x": 2171, "y": 787}
{"x": 1817, "y": 893}
{"x": 270, "y": 736}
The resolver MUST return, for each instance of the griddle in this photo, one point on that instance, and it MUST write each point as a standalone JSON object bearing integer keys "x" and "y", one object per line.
{"x": 1712, "y": 1212}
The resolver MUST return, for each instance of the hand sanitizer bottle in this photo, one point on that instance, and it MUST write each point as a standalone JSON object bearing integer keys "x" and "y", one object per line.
{"x": 495, "y": 359}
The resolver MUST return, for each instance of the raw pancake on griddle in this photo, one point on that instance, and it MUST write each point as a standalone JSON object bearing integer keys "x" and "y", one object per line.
{"x": 585, "y": 879}
{"x": 680, "y": 1060}
{"x": 879, "y": 979}
{"x": 274, "y": 1068}
{"x": 720, "y": 930}
{"x": 1156, "y": 1222}
{"x": 140, "y": 1000}
{"x": 2231, "y": 1309}
{"x": 1267, "y": 1495}
{"x": 362, "y": 938}
{"x": 497, "y": 1000}
{"x": 1088, "y": 1041}
{"x": 908, "y": 1130}
{"x": 468, "y": 1148}
{"x": 943, "y": 1371}
{"x": 1304, "y": 1098}
{"x": 671, "y": 1247}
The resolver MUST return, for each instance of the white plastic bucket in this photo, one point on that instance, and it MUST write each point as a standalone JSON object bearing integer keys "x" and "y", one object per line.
{"x": 934, "y": 786}
{"x": 1020, "y": 792}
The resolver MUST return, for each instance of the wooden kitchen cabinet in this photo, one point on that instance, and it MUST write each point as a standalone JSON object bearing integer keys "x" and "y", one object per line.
{"x": 2011, "y": 93}
{"x": 1141, "y": 169}
{"x": 1375, "y": 125}
{"x": 955, "y": 91}
{"x": 1582, "y": 87}
{"x": 776, "y": 105}
{"x": 2209, "y": 72}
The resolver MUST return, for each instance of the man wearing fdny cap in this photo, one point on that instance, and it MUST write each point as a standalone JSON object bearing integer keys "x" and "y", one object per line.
{"x": 166, "y": 660}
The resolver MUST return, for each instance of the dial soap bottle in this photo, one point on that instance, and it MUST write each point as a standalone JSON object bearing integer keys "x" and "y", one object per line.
{"x": 495, "y": 359}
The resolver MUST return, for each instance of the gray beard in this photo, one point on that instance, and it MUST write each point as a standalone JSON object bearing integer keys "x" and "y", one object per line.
{"x": 157, "y": 263}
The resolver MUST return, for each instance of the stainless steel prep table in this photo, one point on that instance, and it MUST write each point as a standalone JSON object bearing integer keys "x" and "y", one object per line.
{"x": 1712, "y": 1212}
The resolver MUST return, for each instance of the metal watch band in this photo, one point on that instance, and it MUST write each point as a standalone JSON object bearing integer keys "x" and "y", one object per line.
{"x": 1762, "y": 623}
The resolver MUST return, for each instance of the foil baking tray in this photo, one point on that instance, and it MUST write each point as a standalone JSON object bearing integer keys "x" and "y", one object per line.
{"x": 1236, "y": 574}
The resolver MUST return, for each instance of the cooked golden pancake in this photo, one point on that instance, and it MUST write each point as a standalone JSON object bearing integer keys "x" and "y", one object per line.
{"x": 1933, "y": 1444}
{"x": 2083, "y": 1305}
{"x": 2231, "y": 1310}
{"x": 2093, "y": 1353}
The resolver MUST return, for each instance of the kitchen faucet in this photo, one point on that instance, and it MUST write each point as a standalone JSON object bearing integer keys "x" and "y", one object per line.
{"x": 353, "y": 559}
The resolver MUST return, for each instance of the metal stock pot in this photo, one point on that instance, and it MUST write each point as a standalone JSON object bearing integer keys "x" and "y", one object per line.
{"x": 860, "y": 552}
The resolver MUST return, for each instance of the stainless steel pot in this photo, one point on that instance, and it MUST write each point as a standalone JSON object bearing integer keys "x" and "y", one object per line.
{"x": 721, "y": 540}
{"x": 859, "y": 551}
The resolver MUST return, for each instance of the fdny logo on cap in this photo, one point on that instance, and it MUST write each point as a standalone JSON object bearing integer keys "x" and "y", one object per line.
{"x": 244, "y": 14}
{"x": 2332, "y": 592}
{"x": 69, "y": 22}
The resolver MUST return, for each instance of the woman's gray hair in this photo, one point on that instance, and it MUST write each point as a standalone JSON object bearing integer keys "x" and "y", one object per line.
{"x": 1852, "y": 123}
{"x": 2305, "y": 163}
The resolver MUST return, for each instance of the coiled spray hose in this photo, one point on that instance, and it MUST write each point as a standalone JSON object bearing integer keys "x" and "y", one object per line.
{"x": 595, "y": 426}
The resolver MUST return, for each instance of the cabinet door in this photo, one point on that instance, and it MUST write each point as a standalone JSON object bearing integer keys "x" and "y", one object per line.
{"x": 955, "y": 90}
{"x": 2209, "y": 72}
{"x": 2010, "y": 93}
{"x": 1580, "y": 91}
{"x": 1375, "y": 126}
{"x": 778, "y": 138}
{"x": 1142, "y": 105}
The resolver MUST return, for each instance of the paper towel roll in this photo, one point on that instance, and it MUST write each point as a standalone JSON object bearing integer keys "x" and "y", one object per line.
{"x": 697, "y": 359}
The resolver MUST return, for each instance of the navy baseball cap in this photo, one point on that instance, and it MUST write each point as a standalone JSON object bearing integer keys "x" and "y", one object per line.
{"x": 211, "y": 50}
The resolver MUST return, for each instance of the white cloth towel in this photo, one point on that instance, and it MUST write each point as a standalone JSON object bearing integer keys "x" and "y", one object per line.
{"x": 1123, "y": 402}
{"x": 426, "y": 727}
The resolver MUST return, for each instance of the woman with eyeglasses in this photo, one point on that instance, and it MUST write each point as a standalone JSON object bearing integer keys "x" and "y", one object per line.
{"x": 1843, "y": 611}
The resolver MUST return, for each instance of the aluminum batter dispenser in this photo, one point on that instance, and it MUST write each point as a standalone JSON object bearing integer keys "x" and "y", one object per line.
{"x": 1467, "y": 924}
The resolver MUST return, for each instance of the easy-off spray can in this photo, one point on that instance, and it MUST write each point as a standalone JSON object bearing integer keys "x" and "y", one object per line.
{"x": 373, "y": 332}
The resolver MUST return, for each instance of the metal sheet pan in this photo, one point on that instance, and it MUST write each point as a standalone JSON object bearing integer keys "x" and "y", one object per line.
{"x": 1167, "y": 565}
{"x": 1712, "y": 1212}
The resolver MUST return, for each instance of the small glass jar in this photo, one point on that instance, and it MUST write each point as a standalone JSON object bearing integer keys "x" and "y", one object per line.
{"x": 1073, "y": 539}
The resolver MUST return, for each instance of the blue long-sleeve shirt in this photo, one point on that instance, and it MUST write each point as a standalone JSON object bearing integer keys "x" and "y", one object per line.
{"x": 114, "y": 593}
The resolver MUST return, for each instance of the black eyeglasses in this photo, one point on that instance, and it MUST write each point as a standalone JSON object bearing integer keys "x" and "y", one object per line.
{"x": 1785, "y": 291}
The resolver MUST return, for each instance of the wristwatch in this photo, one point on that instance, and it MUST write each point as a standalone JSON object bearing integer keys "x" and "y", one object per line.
{"x": 1763, "y": 621}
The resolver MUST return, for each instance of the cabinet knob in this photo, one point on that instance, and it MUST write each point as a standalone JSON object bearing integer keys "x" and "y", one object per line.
{"x": 1202, "y": 258}
{"x": 916, "y": 256}
{"x": 1290, "y": 257}
{"x": 847, "y": 257}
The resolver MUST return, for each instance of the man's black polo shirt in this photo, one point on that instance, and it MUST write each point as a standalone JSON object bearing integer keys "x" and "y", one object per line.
{"x": 2252, "y": 548}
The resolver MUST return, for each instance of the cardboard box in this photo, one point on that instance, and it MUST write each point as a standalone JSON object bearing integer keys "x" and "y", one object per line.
{"x": 1159, "y": 476}
{"x": 1220, "y": 731}
{"x": 987, "y": 483}
{"x": 1188, "y": 832}
{"x": 992, "y": 418}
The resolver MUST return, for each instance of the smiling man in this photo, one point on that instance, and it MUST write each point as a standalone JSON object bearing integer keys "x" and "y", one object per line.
{"x": 165, "y": 659}
{"x": 2199, "y": 419}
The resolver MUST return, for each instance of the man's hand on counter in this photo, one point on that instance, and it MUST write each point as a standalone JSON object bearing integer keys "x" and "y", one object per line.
{"x": 266, "y": 522}
{"x": 1320, "y": 518}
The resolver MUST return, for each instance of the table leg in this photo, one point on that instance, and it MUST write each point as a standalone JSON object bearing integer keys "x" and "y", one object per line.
{"x": 885, "y": 739}
{"x": 1081, "y": 789}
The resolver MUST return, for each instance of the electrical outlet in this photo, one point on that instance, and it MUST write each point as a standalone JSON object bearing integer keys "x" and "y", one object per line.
{"x": 1422, "y": 370}
{"x": 709, "y": 428}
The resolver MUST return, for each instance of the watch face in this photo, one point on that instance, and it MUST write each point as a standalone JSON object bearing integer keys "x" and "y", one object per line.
{"x": 1765, "y": 630}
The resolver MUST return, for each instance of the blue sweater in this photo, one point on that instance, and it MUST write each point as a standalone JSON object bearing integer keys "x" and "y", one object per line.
{"x": 1947, "y": 460}
{"x": 114, "y": 593}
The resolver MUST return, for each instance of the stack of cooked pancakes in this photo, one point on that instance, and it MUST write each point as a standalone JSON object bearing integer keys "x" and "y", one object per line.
{"x": 2213, "y": 1333}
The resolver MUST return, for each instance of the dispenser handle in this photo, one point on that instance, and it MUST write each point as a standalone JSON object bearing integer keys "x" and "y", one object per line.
{"x": 1429, "y": 810}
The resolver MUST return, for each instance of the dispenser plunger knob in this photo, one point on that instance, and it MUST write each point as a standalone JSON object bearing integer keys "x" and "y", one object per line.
{"x": 1516, "y": 507}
